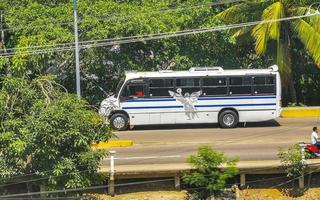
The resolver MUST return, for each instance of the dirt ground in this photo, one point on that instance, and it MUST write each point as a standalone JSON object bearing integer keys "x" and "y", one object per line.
{"x": 156, "y": 195}
{"x": 247, "y": 194}
{"x": 278, "y": 194}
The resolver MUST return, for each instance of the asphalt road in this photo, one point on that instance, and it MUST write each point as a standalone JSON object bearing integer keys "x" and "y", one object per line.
{"x": 173, "y": 144}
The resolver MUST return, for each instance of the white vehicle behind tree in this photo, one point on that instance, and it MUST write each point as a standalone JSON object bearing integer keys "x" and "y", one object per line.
{"x": 200, "y": 95}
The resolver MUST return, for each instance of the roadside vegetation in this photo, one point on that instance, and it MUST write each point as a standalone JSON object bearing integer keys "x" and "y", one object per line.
{"x": 294, "y": 165}
{"x": 209, "y": 178}
{"x": 292, "y": 161}
{"x": 45, "y": 137}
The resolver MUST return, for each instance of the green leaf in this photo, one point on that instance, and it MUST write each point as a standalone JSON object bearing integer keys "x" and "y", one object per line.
{"x": 310, "y": 38}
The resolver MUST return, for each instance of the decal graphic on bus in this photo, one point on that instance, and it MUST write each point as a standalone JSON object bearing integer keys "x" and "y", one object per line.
{"x": 187, "y": 101}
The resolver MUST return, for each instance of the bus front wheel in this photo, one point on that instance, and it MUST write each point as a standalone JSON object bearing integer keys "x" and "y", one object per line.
{"x": 119, "y": 122}
{"x": 228, "y": 119}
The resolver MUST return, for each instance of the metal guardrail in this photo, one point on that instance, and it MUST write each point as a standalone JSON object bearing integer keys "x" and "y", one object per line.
{"x": 177, "y": 170}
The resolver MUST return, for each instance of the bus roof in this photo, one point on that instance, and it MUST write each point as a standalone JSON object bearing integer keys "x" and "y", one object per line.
{"x": 201, "y": 71}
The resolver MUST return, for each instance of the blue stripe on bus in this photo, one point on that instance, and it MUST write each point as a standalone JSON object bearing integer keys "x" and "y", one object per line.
{"x": 151, "y": 107}
{"x": 150, "y": 100}
{"x": 199, "y": 106}
{"x": 235, "y": 105}
{"x": 204, "y": 98}
{"x": 235, "y": 98}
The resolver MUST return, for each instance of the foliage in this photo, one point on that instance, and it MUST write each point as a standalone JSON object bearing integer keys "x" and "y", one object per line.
{"x": 30, "y": 23}
{"x": 291, "y": 161}
{"x": 282, "y": 33}
{"x": 33, "y": 23}
{"x": 209, "y": 177}
{"x": 47, "y": 132}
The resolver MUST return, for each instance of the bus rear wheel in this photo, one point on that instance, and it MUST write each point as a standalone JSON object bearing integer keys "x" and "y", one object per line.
{"x": 119, "y": 122}
{"x": 228, "y": 119}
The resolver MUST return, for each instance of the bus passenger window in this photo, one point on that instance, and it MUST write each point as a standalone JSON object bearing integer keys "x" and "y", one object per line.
{"x": 160, "y": 87}
{"x": 240, "y": 85}
{"x": 136, "y": 90}
{"x": 263, "y": 85}
{"x": 188, "y": 85}
{"x": 214, "y": 86}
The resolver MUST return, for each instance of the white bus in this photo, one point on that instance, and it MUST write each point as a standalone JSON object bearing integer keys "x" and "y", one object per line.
{"x": 200, "y": 95}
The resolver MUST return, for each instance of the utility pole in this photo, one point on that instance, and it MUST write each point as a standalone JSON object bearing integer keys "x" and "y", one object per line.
{"x": 76, "y": 43}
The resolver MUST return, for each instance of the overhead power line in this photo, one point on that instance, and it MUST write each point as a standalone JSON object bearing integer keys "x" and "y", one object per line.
{"x": 140, "y": 38}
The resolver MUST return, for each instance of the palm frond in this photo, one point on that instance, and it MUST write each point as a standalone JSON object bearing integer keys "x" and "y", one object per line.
{"x": 243, "y": 12}
{"x": 310, "y": 38}
{"x": 314, "y": 21}
{"x": 233, "y": 13}
{"x": 261, "y": 36}
{"x": 241, "y": 31}
{"x": 264, "y": 31}
{"x": 274, "y": 12}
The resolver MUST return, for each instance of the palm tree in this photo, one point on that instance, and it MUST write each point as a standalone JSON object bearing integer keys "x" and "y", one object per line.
{"x": 280, "y": 33}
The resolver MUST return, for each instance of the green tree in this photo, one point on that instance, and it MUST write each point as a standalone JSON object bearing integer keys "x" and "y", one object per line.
{"x": 282, "y": 33}
{"x": 210, "y": 177}
{"x": 47, "y": 132}
{"x": 34, "y": 23}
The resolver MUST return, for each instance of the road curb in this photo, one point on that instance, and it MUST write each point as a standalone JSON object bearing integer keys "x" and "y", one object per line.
{"x": 113, "y": 143}
{"x": 301, "y": 112}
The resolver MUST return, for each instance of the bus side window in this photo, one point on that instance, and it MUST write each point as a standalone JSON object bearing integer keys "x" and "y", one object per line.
{"x": 240, "y": 85}
{"x": 263, "y": 85}
{"x": 160, "y": 87}
{"x": 214, "y": 86}
{"x": 188, "y": 85}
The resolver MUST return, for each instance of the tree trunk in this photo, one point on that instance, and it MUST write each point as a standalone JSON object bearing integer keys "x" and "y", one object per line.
{"x": 285, "y": 63}
{"x": 293, "y": 93}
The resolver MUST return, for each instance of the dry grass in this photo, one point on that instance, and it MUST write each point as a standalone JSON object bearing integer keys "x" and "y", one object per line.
{"x": 277, "y": 194}
{"x": 158, "y": 195}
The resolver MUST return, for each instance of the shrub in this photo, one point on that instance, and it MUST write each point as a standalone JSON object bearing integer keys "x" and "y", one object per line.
{"x": 209, "y": 177}
{"x": 291, "y": 161}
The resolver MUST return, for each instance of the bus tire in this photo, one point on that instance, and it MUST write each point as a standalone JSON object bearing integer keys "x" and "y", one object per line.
{"x": 119, "y": 122}
{"x": 228, "y": 119}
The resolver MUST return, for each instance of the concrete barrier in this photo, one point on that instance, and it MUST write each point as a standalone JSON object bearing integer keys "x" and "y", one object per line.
{"x": 177, "y": 170}
{"x": 301, "y": 112}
